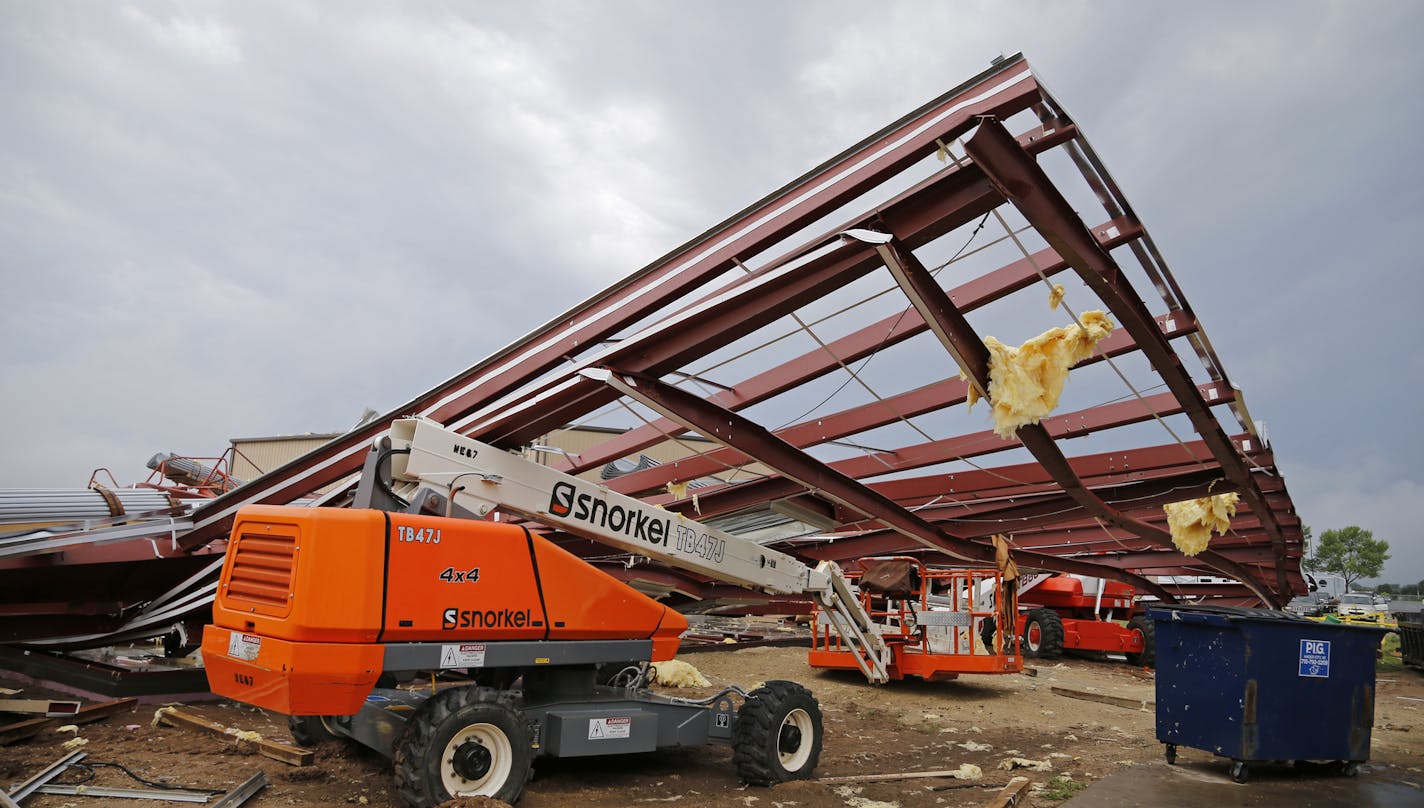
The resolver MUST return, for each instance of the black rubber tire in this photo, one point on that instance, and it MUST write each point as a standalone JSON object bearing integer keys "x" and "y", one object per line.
{"x": 1049, "y": 631}
{"x": 1240, "y": 772}
{"x": 308, "y": 730}
{"x": 1171, "y": 753}
{"x": 424, "y": 754}
{"x": 1350, "y": 768}
{"x": 769, "y": 743}
{"x": 1148, "y": 657}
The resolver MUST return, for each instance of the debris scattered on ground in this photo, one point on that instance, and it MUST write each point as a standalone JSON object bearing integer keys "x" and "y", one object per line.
{"x": 971, "y": 746}
{"x": 1011, "y": 793}
{"x": 473, "y": 802}
{"x": 1103, "y": 698}
{"x": 852, "y": 797}
{"x": 28, "y": 728}
{"x": 1009, "y": 764}
{"x": 676, "y": 673}
{"x": 293, "y": 755}
{"x": 966, "y": 771}
{"x": 45, "y": 707}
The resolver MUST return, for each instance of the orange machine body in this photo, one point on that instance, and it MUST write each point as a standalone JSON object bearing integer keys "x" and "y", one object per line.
{"x": 310, "y": 597}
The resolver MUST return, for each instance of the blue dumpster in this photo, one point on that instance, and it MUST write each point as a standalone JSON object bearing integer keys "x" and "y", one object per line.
{"x": 1261, "y": 685}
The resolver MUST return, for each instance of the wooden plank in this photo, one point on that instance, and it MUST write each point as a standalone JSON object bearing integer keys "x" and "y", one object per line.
{"x": 20, "y": 730}
{"x": 1103, "y": 698}
{"x": 44, "y": 707}
{"x": 28, "y": 728}
{"x": 1011, "y": 794}
{"x": 881, "y": 778}
{"x": 104, "y": 709}
{"x": 5, "y": 801}
{"x": 293, "y": 755}
{"x": 969, "y": 784}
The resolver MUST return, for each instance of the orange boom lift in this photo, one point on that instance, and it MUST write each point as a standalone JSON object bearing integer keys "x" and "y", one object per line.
{"x": 338, "y": 617}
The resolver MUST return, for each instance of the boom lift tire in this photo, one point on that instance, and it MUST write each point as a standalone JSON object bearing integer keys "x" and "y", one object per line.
{"x": 310, "y": 730}
{"x": 464, "y": 742}
{"x": 1148, "y": 657}
{"x": 777, "y": 735}
{"x": 1043, "y": 634}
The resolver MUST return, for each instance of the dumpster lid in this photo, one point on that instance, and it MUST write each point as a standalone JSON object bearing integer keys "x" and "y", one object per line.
{"x": 1221, "y": 615}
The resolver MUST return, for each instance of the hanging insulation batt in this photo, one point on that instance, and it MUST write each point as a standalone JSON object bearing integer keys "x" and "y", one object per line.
{"x": 1025, "y": 382}
{"x": 1193, "y": 521}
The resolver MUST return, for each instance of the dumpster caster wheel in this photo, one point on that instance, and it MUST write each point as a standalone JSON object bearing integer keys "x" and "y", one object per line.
{"x": 1350, "y": 768}
{"x": 1171, "y": 751}
{"x": 1239, "y": 772}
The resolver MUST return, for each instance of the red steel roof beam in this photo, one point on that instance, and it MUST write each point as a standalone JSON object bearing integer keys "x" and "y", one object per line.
{"x": 718, "y": 501}
{"x": 960, "y": 339}
{"x": 1024, "y": 183}
{"x": 732, "y": 429}
{"x": 1004, "y": 90}
{"x": 940, "y": 395}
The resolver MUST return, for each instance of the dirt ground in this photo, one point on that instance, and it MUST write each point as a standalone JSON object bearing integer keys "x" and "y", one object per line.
{"x": 906, "y": 726}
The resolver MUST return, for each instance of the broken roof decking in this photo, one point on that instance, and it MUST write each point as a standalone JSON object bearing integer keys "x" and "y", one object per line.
{"x": 907, "y": 250}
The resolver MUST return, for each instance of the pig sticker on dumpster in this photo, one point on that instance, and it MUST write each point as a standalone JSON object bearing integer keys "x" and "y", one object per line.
{"x": 1315, "y": 658}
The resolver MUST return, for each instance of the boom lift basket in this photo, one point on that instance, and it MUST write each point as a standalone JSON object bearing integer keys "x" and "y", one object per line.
{"x": 933, "y": 620}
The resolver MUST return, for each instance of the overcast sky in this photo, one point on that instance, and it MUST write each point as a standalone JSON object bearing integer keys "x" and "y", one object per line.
{"x": 244, "y": 219}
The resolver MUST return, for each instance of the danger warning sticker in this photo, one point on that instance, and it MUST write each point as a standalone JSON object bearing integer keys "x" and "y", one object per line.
{"x": 602, "y": 729}
{"x": 465, "y": 655}
{"x": 243, "y": 646}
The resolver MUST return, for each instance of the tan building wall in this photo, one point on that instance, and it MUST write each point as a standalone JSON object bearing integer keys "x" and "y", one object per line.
{"x": 253, "y": 457}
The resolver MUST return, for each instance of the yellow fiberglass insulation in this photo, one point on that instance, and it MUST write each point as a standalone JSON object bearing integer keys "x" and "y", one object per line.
{"x": 1193, "y": 521}
{"x": 1025, "y": 382}
{"x": 676, "y": 673}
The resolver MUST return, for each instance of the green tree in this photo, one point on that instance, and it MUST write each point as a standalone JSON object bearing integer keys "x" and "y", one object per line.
{"x": 1385, "y": 589}
{"x": 1350, "y": 552}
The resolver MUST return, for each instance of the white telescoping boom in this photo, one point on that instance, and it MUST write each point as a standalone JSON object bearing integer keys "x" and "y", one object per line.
{"x": 483, "y": 478}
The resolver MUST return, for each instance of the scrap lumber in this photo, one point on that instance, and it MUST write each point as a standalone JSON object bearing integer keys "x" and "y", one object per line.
{"x": 5, "y": 801}
{"x": 1011, "y": 794}
{"x": 45, "y": 707}
{"x": 104, "y": 709}
{"x": 1116, "y": 701}
{"x": 292, "y": 755}
{"x": 881, "y": 778}
{"x": 20, "y": 730}
{"x": 969, "y": 784}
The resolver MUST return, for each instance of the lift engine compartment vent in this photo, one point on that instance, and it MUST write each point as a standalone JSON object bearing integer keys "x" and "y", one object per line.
{"x": 263, "y": 568}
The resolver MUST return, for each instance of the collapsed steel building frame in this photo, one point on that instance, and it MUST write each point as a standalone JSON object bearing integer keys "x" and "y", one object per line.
{"x": 700, "y": 343}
